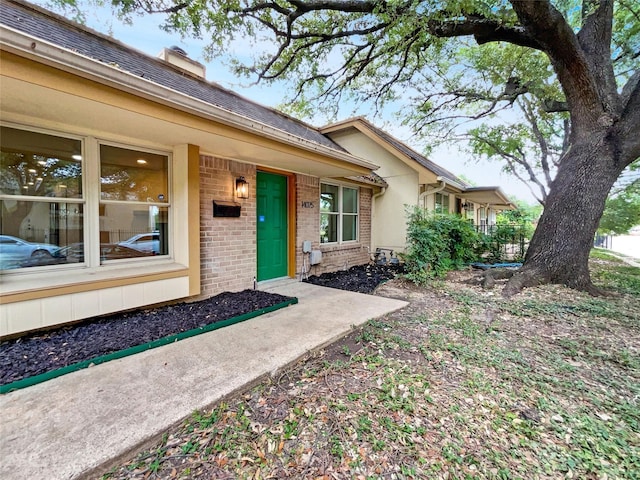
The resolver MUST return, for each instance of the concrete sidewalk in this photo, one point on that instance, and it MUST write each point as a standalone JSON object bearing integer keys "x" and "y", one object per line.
{"x": 67, "y": 427}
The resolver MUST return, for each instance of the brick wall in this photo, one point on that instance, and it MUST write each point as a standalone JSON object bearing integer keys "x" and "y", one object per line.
{"x": 228, "y": 254}
{"x": 227, "y": 245}
{"x": 334, "y": 257}
{"x": 307, "y": 215}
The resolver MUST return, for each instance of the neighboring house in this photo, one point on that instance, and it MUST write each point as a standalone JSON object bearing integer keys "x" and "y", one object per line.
{"x": 412, "y": 179}
{"x": 101, "y": 144}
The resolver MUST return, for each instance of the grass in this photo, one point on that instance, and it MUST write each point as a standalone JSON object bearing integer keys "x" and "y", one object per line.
{"x": 462, "y": 384}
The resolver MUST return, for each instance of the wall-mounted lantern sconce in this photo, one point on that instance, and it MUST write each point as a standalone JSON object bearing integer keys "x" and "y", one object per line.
{"x": 242, "y": 188}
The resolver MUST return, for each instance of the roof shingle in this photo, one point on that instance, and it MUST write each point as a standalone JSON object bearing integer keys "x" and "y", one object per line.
{"x": 55, "y": 29}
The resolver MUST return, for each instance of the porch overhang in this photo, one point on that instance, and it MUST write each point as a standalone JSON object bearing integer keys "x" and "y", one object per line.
{"x": 492, "y": 196}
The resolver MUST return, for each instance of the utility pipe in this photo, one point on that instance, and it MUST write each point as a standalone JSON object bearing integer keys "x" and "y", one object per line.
{"x": 373, "y": 214}
{"x": 430, "y": 191}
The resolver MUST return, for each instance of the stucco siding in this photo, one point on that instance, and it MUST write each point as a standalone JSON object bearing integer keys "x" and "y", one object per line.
{"x": 389, "y": 218}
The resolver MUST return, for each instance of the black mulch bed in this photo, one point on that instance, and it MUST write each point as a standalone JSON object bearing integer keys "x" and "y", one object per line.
{"x": 42, "y": 352}
{"x": 361, "y": 278}
{"x": 39, "y": 353}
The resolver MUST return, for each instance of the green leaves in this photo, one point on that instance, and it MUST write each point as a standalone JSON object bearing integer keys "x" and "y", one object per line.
{"x": 437, "y": 244}
{"x": 621, "y": 213}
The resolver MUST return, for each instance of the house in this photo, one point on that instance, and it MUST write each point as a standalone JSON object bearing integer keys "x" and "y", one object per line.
{"x": 128, "y": 180}
{"x": 412, "y": 180}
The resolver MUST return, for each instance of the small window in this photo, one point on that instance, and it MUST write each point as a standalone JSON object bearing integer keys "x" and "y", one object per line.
{"x": 441, "y": 203}
{"x": 338, "y": 214}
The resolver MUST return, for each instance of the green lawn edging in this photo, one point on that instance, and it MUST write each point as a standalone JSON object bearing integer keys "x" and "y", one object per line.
{"x": 43, "y": 377}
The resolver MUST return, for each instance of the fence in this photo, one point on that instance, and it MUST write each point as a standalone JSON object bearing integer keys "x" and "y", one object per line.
{"x": 602, "y": 241}
{"x": 505, "y": 241}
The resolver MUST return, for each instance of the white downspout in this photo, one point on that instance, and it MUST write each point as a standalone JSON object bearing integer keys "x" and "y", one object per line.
{"x": 437, "y": 189}
{"x": 373, "y": 214}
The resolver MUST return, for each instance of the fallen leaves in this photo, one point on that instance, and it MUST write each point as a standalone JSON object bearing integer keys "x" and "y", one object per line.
{"x": 547, "y": 389}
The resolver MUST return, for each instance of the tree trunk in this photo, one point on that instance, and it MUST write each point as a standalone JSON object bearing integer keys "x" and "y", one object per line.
{"x": 560, "y": 247}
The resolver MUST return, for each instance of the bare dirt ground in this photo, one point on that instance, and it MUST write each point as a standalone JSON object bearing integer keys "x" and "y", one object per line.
{"x": 459, "y": 384}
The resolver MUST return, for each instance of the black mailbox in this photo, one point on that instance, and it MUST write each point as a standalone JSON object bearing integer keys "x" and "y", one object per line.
{"x": 225, "y": 209}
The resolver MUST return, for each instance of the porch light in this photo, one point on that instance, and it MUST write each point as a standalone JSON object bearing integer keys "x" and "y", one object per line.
{"x": 242, "y": 188}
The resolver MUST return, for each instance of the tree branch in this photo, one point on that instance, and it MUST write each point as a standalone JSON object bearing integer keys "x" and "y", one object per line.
{"x": 595, "y": 39}
{"x": 554, "y": 106}
{"x": 542, "y": 141}
{"x": 630, "y": 119}
{"x": 483, "y": 30}
{"x": 558, "y": 40}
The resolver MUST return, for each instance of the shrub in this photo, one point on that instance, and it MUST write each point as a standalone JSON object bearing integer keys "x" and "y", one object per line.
{"x": 437, "y": 243}
{"x": 505, "y": 242}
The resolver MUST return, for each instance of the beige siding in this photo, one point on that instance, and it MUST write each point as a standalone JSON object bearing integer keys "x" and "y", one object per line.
{"x": 389, "y": 218}
{"x": 46, "y": 312}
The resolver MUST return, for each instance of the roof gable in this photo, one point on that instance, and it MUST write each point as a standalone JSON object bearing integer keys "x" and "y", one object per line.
{"x": 397, "y": 146}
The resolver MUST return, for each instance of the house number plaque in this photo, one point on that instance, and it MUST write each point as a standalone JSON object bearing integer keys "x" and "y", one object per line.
{"x": 307, "y": 204}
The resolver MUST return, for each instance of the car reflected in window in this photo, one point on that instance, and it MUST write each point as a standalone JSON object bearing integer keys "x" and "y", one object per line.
{"x": 16, "y": 253}
{"x": 108, "y": 251}
{"x": 144, "y": 242}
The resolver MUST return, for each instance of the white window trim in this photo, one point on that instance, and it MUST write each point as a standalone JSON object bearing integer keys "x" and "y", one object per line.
{"x": 435, "y": 202}
{"x": 340, "y": 214}
{"x": 90, "y": 200}
{"x": 169, "y": 204}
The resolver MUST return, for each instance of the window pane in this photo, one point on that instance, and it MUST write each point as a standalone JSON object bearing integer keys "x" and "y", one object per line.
{"x": 441, "y": 203}
{"x": 130, "y": 175}
{"x": 328, "y": 228}
{"x": 137, "y": 231}
{"x": 328, "y": 198}
{"x": 40, "y": 165}
{"x": 349, "y": 227}
{"x": 349, "y": 200}
{"x": 39, "y": 233}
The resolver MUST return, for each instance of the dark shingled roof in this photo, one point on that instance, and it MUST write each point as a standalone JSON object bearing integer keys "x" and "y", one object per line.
{"x": 371, "y": 179}
{"x": 421, "y": 159}
{"x": 55, "y": 29}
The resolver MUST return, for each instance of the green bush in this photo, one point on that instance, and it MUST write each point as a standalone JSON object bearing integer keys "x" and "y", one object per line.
{"x": 495, "y": 242}
{"x": 438, "y": 243}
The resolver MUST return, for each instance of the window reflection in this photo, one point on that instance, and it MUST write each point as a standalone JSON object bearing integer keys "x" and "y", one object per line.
{"x": 34, "y": 234}
{"x": 36, "y": 164}
{"x": 43, "y": 206}
{"x": 338, "y": 214}
{"x": 142, "y": 230}
{"x": 34, "y": 230}
{"x": 134, "y": 209}
{"x": 131, "y": 175}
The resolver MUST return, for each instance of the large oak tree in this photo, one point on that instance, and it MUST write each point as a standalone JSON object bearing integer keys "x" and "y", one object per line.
{"x": 379, "y": 50}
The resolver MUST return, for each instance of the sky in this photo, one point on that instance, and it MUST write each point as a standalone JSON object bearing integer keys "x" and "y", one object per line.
{"x": 146, "y": 36}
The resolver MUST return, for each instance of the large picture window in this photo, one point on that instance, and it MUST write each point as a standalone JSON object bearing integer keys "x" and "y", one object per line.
{"x": 134, "y": 201}
{"x": 338, "y": 213}
{"x": 43, "y": 204}
{"x": 45, "y": 192}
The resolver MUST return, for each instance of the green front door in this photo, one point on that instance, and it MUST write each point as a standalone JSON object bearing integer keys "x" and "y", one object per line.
{"x": 272, "y": 225}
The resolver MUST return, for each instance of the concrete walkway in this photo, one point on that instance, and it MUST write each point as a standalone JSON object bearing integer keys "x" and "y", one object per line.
{"x": 68, "y": 427}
